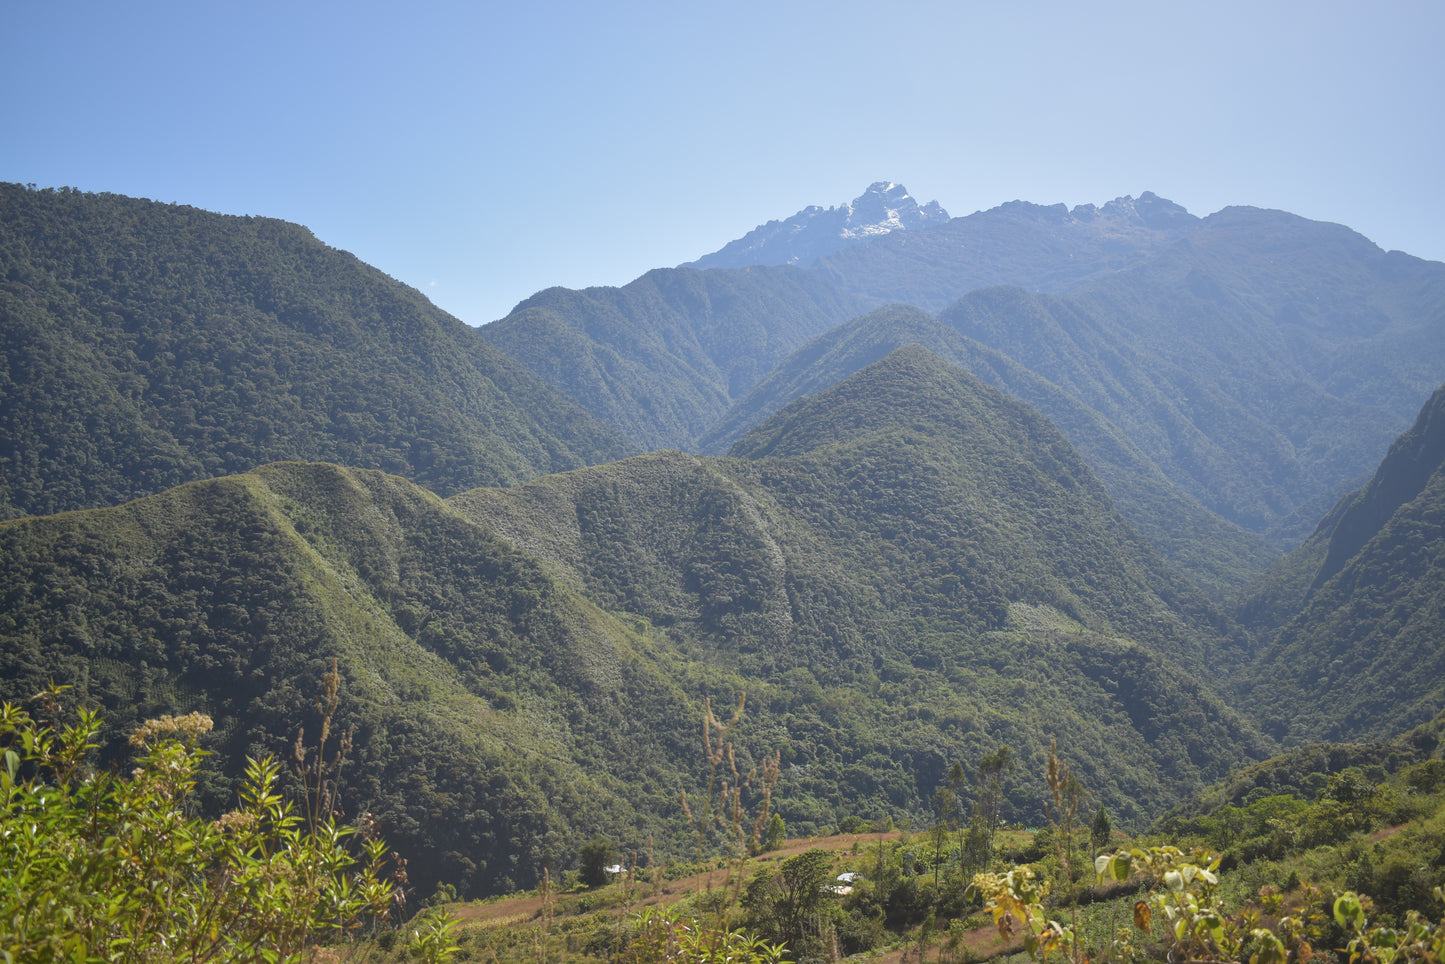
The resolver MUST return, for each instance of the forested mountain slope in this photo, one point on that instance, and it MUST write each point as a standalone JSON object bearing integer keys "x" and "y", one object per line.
{"x": 491, "y": 728}
{"x": 917, "y": 562}
{"x": 1359, "y": 654}
{"x": 146, "y": 344}
{"x": 1301, "y": 349}
{"x": 1218, "y": 554}
{"x": 905, "y": 572}
{"x": 662, "y": 358}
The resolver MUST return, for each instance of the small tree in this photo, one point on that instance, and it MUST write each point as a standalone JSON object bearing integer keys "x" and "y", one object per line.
{"x": 977, "y": 844}
{"x": 790, "y": 904}
{"x": 776, "y": 834}
{"x": 1100, "y": 831}
{"x": 596, "y": 855}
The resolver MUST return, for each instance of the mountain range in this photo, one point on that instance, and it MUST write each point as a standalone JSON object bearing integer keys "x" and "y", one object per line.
{"x": 1261, "y": 362}
{"x": 1034, "y": 474}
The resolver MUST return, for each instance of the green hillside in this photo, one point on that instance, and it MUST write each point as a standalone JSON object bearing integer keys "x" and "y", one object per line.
{"x": 662, "y": 358}
{"x": 1358, "y": 612}
{"x": 145, "y": 345}
{"x": 1218, "y": 555}
{"x": 913, "y": 407}
{"x": 907, "y": 567}
{"x": 490, "y": 727}
{"x": 908, "y": 571}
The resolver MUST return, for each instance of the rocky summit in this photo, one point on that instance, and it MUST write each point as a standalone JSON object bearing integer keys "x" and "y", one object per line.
{"x": 815, "y": 231}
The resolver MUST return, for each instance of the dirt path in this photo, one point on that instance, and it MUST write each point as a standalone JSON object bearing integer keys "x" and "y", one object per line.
{"x": 982, "y": 943}
{"x": 1385, "y": 833}
{"x": 524, "y": 908}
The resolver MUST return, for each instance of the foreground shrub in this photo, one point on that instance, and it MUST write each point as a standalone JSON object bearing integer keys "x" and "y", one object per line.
{"x": 102, "y": 866}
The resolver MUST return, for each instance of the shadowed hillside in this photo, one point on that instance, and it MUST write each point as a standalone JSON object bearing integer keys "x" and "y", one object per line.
{"x": 1358, "y": 611}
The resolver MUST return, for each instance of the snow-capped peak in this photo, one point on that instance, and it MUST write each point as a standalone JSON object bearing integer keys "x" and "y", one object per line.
{"x": 884, "y": 207}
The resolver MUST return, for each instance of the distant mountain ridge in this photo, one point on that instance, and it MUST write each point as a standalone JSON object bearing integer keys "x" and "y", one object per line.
{"x": 1296, "y": 345}
{"x": 662, "y": 358}
{"x": 804, "y": 237}
{"x": 1047, "y": 248}
{"x": 1262, "y": 361}
{"x": 1217, "y": 553}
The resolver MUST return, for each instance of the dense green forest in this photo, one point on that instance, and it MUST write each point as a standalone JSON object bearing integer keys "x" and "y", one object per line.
{"x": 232, "y": 597}
{"x": 904, "y": 572}
{"x": 145, "y": 345}
{"x": 664, "y": 357}
{"x": 1033, "y": 527}
{"x": 1359, "y": 612}
{"x": 1219, "y": 555}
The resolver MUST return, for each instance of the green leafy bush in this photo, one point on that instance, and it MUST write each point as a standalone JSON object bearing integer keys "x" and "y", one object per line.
{"x": 103, "y": 866}
{"x": 671, "y": 937}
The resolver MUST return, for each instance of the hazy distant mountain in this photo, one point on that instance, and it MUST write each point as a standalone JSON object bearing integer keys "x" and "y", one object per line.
{"x": 813, "y": 232}
{"x": 1219, "y": 554}
{"x": 1362, "y": 604}
{"x": 1050, "y": 249}
{"x": 663, "y": 358}
{"x": 1296, "y": 350}
{"x": 1262, "y": 361}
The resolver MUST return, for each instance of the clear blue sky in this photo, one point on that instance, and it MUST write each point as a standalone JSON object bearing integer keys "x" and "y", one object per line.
{"x": 483, "y": 151}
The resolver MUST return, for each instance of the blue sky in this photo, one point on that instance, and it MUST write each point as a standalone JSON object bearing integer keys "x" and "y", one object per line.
{"x": 484, "y": 151}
